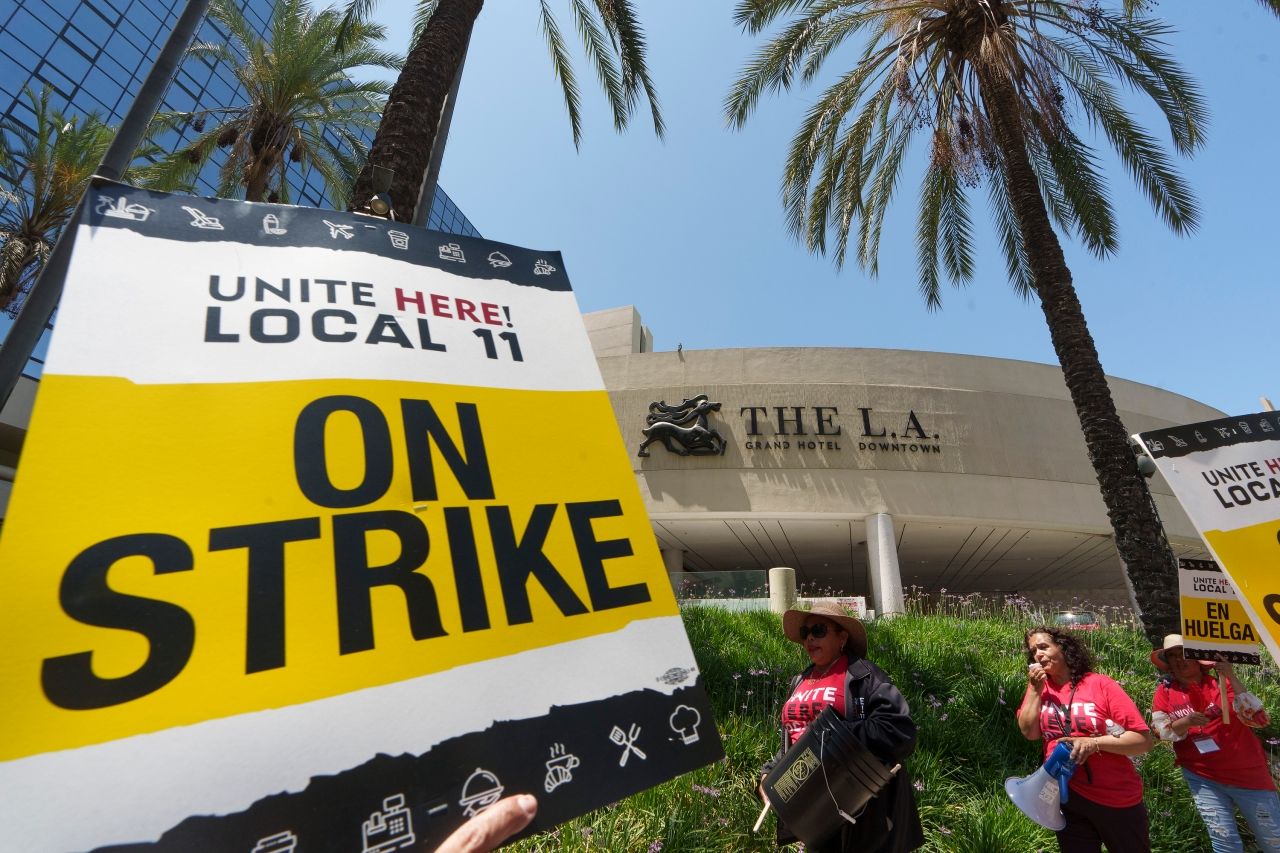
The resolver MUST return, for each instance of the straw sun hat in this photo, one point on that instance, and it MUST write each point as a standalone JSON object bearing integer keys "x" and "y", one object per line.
{"x": 1171, "y": 641}
{"x": 856, "y": 645}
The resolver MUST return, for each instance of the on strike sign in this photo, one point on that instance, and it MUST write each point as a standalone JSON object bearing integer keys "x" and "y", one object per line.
{"x": 324, "y": 539}
{"x": 1226, "y": 475}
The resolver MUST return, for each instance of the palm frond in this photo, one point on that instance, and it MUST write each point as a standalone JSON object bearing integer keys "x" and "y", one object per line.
{"x": 924, "y": 66}
{"x": 356, "y": 14}
{"x": 296, "y": 82}
{"x": 599, "y": 51}
{"x": 621, "y": 22}
{"x": 563, "y": 70}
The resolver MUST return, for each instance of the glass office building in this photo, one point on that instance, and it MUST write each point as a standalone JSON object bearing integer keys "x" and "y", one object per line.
{"x": 94, "y": 54}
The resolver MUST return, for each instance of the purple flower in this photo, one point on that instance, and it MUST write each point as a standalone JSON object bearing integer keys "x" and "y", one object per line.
{"x": 918, "y": 785}
{"x": 709, "y": 791}
{"x": 655, "y": 846}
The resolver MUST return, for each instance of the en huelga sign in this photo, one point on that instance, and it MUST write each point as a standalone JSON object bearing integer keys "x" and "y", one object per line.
{"x": 1226, "y": 475}
{"x": 324, "y": 539}
{"x": 1214, "y": 624}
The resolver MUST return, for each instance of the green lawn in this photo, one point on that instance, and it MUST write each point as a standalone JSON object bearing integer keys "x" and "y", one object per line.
{"x": 963, "y": 676}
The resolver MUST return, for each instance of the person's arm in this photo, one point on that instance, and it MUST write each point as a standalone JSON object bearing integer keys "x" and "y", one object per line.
{"x": 1245, "y": 704}
{"x": 782, "y": 748}
{"x": 1029, "y": 711}
{"x": 1160, "y": 721}
{"x": 1129, "y": 743}
{"x": 887, "y": 729}
{"x": 1182, "y": 725}
{"x": 1116, "y": 705}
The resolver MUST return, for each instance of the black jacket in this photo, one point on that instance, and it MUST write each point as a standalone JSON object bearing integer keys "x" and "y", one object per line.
{"x": 877, "y": 715}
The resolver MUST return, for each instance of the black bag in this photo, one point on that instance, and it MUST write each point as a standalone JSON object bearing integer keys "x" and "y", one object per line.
{"x": 823, "y": 780}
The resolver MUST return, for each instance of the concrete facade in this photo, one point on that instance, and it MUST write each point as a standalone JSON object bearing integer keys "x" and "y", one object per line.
{"x": 617, "y": 331}
{"x": 977, "y": 466}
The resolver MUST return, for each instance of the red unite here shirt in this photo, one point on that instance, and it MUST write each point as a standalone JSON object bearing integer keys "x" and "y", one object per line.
{"x": 811, "y": 697}
{"x": 1238, "y": 761}
{"x": 1110, "y": 779}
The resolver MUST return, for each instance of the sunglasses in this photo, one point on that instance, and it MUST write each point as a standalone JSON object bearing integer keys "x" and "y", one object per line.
{"x": 817, "y": 631}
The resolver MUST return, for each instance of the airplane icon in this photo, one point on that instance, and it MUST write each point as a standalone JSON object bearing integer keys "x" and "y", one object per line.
{"x": 336, "y": 230}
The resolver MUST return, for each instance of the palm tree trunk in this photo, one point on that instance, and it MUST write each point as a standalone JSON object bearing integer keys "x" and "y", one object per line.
{"x": 409, "y": 123}
{"x": 16, "y": 255}
{"x": 256, "y": 181}
{"x": 1149, "y": 563}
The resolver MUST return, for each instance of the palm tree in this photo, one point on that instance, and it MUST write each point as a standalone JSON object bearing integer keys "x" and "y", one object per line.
{"x": 995, "y": 85}
{"x": 611, "y": 37}
{"x": 1139, "y": 6}
{"x": 301, "y": 104}
{"x": 50, "y": 167}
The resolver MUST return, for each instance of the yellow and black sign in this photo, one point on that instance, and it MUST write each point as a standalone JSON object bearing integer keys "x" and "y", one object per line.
{"x": 1226, "y": 475}
{"x": 1214, "y": 623}
{"x": 296, "y": 499}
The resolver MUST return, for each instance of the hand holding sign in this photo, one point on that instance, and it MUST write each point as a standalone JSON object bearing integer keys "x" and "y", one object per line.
{"x": 493, "y": 826}
{"x": 330, "y": 501}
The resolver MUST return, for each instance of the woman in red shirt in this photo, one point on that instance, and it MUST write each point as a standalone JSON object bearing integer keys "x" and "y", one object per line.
{"x": 872, "y": 711}
{"x": 1223, "y": 763}
{"x": 1067, "y": 701}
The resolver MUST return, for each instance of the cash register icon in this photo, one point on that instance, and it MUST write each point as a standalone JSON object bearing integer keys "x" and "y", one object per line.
{"x": 389, "y": 829}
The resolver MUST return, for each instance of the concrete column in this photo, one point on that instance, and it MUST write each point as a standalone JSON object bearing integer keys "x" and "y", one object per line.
{"x": 883, "y": 573}
{"x": 673, "y": 559}
{"x": 782, "y": 589}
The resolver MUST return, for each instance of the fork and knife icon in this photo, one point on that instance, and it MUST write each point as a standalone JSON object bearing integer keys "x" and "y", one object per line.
{"x": 627, "y": 740}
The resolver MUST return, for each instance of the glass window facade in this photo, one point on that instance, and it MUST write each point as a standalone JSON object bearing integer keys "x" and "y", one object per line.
{"x": 95, "y": 53}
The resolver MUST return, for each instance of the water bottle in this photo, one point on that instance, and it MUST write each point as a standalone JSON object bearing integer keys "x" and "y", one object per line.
{"x": 1114, "y": 729}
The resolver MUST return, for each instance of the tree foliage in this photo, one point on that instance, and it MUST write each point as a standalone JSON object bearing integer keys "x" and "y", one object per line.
{"x": 611, "y": 37}
{"x": 997, "y": 88}
{"x": 300, "y": 105}
{"x": 919, "y": 72}
{"x": 50, "y": 167}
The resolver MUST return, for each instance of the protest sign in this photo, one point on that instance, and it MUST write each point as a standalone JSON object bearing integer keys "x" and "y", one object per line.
{"x": 1214, "y": 624}
{"x": 1226, "y": 475}
{"x": 324, "y": 538}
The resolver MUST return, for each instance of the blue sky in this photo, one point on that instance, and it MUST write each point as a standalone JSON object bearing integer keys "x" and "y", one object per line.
{"x": 690, "y": 229}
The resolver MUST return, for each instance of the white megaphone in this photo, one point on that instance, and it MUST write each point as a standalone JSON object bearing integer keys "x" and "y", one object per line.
{"x": 1041, "y": 794}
